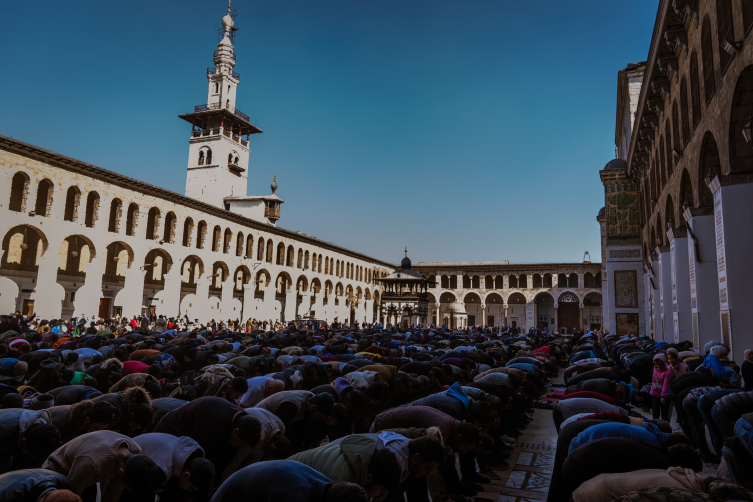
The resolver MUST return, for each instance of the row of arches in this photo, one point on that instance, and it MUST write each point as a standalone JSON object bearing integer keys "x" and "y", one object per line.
{"x": 522, "y": 281}
{"x": 164, "y": 228}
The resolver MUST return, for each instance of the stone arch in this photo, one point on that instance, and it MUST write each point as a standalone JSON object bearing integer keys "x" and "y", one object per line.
{"x": 262, "y": 281}
{"x": 475, "y": 282}
{"x": 306, "y": 257}
{"x": 192, "y": 268}
{"x": 290, "y": 258}
{"x": 132, "y": 217}
{"x": 568, "y": 297}
{"x": 239, "y": 243}
{"x": 367, "y": 296}
{"x": 119, "y": 258}
{"x": 283, "y": 282}
{"x": 592, "y": 299}
{"x": 201, "y": 234}
{"x": 171, "y": 221}
{"x": 471, "y": 297}
{"x": 299, "y": 261}
{"x": 76, "y": 251}
{"x": 572, "y": 280}
{"x": 537, "y": 281}
{"x": 348, "y": 290}
{"x": 157, "y": 263}
{"x": 516, "y": 298}
{"x": 260, "y": 249}
{"x": 152, "y": 222}
{"x": 709, "y": 166}
{"x": 92, "y": 209}
{"x": 339, "y": 289}
{"x": 301, "y": 284}
{"x": 740, "y": 151}
{"x": 249, "y": 246}
{"x": 544, "y": 309}
{"x": 588, "y": 280}
{"x": 220, "y": 273}
{"x": 523, "y": 281}
{"x": 328, "y": 288}
{"x": 216, "y": 238}
{"x": 23, "y": 245}
{"x": 116, "y": 209}
{"x": 45, "y": 190}
{"x": 227, "y": 240}
{"x": 597, "y": 280}
{"x": 19, "y": 191}
{"x": 447, "y": 297}
{"x": 241, "y": 277}
{"x": 669, "y": 213}
{"x": 72, "y": 201}
{"x": 499, "y": 282}
{"x": 270, "y": 251}
{"x": 686, "y": 189}
{"x": 512, "y": 281}
{"x": 316, "y": 285}
{"x": 494, "y": 299}
{"x": 548, "y": 280}
{"x": 280, "y": 258}
{"x": 707, "y": 60}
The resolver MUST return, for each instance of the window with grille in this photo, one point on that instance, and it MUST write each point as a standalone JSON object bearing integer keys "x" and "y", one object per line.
{"x": 707, "y": 53}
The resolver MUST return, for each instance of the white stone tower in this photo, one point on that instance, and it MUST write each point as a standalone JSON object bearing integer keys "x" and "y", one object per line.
{"x": 218, "y": 154}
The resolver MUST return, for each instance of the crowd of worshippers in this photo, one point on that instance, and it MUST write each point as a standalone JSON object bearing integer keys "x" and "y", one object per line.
{"x": 113, "y": 413}
{"x": 609, "y": 450}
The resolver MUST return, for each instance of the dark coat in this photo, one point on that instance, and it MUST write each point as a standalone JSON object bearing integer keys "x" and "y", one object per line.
{"x": 444, "y": 403}
{"x": 421, "y": 417}
{"x": 72, "y": 394}
{"x": 600, "y": 385}
{"x": 736, "y": 404}
{"x": 29, "y": 485}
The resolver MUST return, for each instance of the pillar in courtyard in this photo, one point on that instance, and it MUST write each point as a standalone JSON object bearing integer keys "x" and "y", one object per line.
{"x": 733, "y": 213}
{"x": 48, "y": 295}
{"x": 248, "y": 301}
{"x": 290, "y": 304}
{"x": 89, "y": 295}
{"x": 655, "y": 265}
{"x": 704, "y": 287}
{"x": 202, "y": 310}
{"x": 170, "y": 295}
{"x": 556, "y": 318}
{"x": 483, "y": 315}
{"x": 506, "y": 322}
{"x": 682, "y": 319}
{"x": 665, "y": 292}
{"x": 131, "y": 298}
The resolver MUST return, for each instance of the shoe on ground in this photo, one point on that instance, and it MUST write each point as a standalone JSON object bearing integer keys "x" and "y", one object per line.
{"x": 489, "y": 473}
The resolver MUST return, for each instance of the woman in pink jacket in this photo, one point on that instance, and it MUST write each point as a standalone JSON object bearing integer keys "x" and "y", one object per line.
{"x": 660, "y": 382}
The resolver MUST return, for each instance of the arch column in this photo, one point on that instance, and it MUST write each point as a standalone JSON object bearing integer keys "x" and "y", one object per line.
{"x": 131, "y": 297}
{"x": 226, "y": 298}
{"x": 290, "y": 304}
{"x": 703, "y": 276}
{"x": 48, "y": 295}
{"x": 305, "y": 305}
{"x": 369, "y": 305}
{"x": 170, "y": 294}
{"x": 505, "y": 316}
{"x": 248, "y": 301}
{"x": 556, "y": 318}
{"x": 483, "y": 315}
{"x": 89, "y": 295}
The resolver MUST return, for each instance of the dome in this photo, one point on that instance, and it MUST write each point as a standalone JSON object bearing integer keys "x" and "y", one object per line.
{"x": 405, "y": 264}
{"x": 602, "y": 212}
{"x": 227, "y": 22}
{"x": 458, "y": 307}
{"x": 616, "y": 164}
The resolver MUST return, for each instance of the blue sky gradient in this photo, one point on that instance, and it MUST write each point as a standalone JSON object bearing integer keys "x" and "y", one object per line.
{"x": 466, "y": 130}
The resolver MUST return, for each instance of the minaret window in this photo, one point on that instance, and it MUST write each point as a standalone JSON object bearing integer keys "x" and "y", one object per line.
{"x": 236, "y": 161}
{"x": 216, "y": 87}
{"x": 230, "y": 158}
{"x": 201, "y": 158}
{"x": 209, "y": 156}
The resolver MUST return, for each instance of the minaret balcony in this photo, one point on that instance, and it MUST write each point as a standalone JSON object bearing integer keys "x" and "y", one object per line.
{"x": 213, "y": 71}
{"x": 220, "y": 106}
{"x": 217, "y": 54}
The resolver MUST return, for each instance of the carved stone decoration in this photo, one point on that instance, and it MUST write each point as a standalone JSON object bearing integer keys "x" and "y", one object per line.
{"x": 624, "y": 253}
{"x": 625, "y": 289}
{"x": 652, "y": 121}
{"x": 677, "y": 38}
{"x": 688, "y": 9}
{"x": 656, "y": 105}
{"x": 669, "y": 64}
{"x": 661, "y": 85}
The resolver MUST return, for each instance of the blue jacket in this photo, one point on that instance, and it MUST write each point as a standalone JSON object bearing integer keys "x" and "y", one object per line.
{"x": 648, "y": 434}
{"x": 714, "y": 364}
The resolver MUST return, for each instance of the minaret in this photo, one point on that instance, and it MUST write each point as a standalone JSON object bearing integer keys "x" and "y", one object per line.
{"x": 218, "y": 153}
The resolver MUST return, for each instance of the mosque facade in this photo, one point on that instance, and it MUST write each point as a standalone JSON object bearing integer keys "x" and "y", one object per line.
{"x": 677, "y": 223}
{"x": 79, "y": 240}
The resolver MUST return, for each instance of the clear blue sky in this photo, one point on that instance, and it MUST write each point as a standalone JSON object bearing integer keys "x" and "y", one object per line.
{"x": 466, "y": 130}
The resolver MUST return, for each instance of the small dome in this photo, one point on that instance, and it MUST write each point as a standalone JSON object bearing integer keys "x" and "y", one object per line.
{"x": 602, "y": 211}
{"x": 458, "y": 307}
{"x": 273, "y": 186}
{"x": 616, "y": 164}
{"x": 405, "y": 264}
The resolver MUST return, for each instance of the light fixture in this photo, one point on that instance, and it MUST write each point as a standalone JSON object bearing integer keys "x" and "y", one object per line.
{"x": 748, "y": 131}
{"x": 32, "y": 213}
{"x": 161, "y": 242}
{"x": 732, "y": 47}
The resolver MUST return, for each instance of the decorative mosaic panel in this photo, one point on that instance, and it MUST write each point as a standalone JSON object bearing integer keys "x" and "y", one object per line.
{"x": 625, "y": 253}
{"x": 625, "y": 289}
{"x": 622, "y": 216}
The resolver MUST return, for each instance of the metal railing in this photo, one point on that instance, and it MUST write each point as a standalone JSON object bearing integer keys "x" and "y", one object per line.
{"x": 220, "y": 106}
{"x": 217, "y": 53}
{"x": 213, "y": 71}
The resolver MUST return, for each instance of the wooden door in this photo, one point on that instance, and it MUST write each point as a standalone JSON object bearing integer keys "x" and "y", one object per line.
{"x": 104, "y": 308}
{"x": 568, "y": 315}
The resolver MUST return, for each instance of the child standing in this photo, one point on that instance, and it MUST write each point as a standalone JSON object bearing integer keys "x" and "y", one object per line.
{"x": 660, "y": 381}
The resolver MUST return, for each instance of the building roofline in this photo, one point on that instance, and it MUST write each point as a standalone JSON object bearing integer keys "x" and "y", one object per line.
{"x": 117, "y": 179}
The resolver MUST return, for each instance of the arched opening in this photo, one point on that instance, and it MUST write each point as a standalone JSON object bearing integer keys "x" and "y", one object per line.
{"x": 695, "y": 89}
{"x": 241, "y": 277}
{"x": 588, "y": 280}
{"x": 119, "y": 259}
{"x": 572, "y": 280}
{"x": 306, "y": 261}
{"x": 316, "y": 287}
{"x": 290, "y": 258}
{"x": 191, "y": 270}
{"x": 725, "y": 32}
{"x": 201, "y": 234}
{"x": 227, "y": 241}
{"x": 686, "y": 189}
{"x": 499, "y": 282}
{"x": 72, "y": 200}
{"x": 170, "y": 223}
{"x": 18, "y": 190}
{"x": 592, "y": 311}
{"x": 512, "y": 282}
{"x": 710, "y": 166}
{"x": 44, "y": 198}
{"x": 445, "y": 282}
{"x": 263, "y": 280}
{"x": 187, "y": 232}
{"x": 741, "y": 113}
{"x": 22, "y": 246}
{"x": 475, "y": 282}
{"x": 453, "y": 281}
{"x": 92, "y": 209}
{"x": 299, "y": 261}
{"x": 707, "y": 54}
{"x": 249, "y": 246}
{"x": 132, "y": 219}
{"x": 116, "y": 208}
{"x": 157, "y": 263}
{"x": 327, "y": 291}
{"x": 216, "y": 237}
{"x": 523, "y": 281}
{"x": 466, "y": 282}
{"x": 270, "y": 251}
{"x": 75, "y": 252}
{"x": 473, "y": 309}
{"x": 260, "y": 249}
{"x": 537, "y": 282}
{"x": 220, "y": 274}
{"x": 561, "y": 280}
{"x": 280, "y": 260}
{"x": 152, "y": 223}
{"x": 544, "y": 310}
{"x": 488, "y": 282}
{"x": 568, "y": 313}
{"x": 547, "y": 280}
{"x": 597, "y": 280}
{"x": 669, "y": 215}
{"x": 239, "y": 242}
